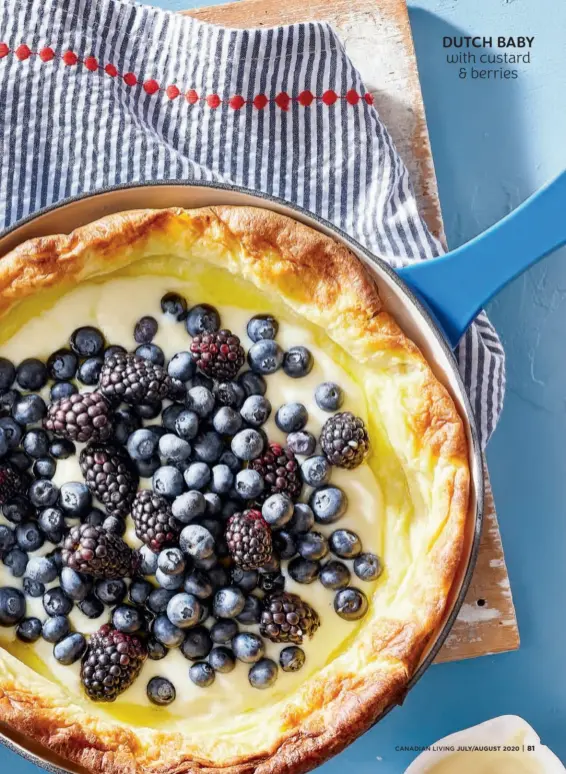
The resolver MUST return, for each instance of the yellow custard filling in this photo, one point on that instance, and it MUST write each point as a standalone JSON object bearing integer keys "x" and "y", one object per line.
{"x": 380, "y": 503}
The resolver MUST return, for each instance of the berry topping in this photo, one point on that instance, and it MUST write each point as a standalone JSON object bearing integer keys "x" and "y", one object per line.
{"x": 280, "y": 472}
{"x": 11, "y": 483}
{"x": 344, "y": 440}
{"x": 154, "y": 522}
{"x": 110, "y": 476}
{"x": 111, "y": 663}
{"x": 133, "y": 379}
{"x": 219, "y": 355}
{"x": 248, "y": 536}
{"x": 93, "y": 551}
{"x": 287, "y": 618}
{"x": 80, "y": 417}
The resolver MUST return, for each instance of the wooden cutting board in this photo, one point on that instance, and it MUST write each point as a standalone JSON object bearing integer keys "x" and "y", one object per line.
{"x": 377, "y": 37}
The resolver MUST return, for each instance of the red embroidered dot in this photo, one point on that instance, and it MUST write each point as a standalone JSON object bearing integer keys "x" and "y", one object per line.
{"x": 46, "y": 54}
{"x": 237, "y": 102}
{"x": 306, "y": 98}
{"x": 151, "y": 86}
{"x": 191, "y": 96}
{"x": 111, "y": 70}
{"x": 282, "y": 100}
{"x": 130, "y": 79}
{"x": 22, "y": 52}
{"x": 260, "y": 101}
{"x": 91, "y": 63}
{"x": 213, "y": 100}
{"x": 352, "y": 97}
{"x": 4, "y": 50}
{"x": 329, "y": 97}
{"x": 70, "y": 58}
{"x": 368, "y": 98}
{"x": 172, "y": 92}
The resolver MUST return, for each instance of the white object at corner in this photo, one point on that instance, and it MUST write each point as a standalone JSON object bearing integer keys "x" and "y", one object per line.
{"x": 509, "y": 731}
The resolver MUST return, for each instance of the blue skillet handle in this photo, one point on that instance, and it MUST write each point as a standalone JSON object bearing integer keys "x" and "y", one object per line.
{"x": 457, "y": 285}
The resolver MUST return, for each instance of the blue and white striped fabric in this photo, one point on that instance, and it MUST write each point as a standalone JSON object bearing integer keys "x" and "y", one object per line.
{"x": 98, "y": 92}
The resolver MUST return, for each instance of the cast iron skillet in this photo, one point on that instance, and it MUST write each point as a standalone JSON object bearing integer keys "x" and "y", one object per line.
{"x": 433, "y": 301}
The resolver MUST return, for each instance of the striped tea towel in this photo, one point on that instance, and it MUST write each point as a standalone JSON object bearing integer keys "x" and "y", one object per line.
{"x": 98, "y": 92}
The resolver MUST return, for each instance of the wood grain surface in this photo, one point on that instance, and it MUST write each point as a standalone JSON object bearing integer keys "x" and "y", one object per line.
{"x": 377, "y": 38}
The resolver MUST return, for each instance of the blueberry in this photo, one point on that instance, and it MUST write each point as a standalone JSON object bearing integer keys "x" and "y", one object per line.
{"x": 277, "y": 510}
{"x": 213, "y": 505}
{"x": 57, "y": 557}
{"x": 223, "y": 631}
{"x": 198, "y": 584}
{"x": 12, "y": 431}
{"x": 169, "y": 582}
{"x": 75, "y": 585}
{"x": 188, "y": 506}
{"x": 62, "y": 364}
{"x": 251, "y": 614}
{"x": 12, "y": 606}
{"x": 367, "y": 567}
{"x": 256, "y": 410}
{"x": 247, "y": 580}
{"x": 52, "y": 522}
{"x": 75, "y": 499}
{"x": 87, "y": 341}
{"x": 146, "y": 468}
{"x": 44, "y": 467}
{"x": 218, "y": 576}
{"x": 145, "y": 330}
{"x": 265, "y": 357}
{"x": 29, "y": 409}
{"x": 291, "y": 417}
{"x": 222, "y": 479}
{"x": 110, "y": 591}
{"x": 202, "y": 319}
{"x": 227, "y": 421}
{"x": 200, "y": 400}
{"x": 208, "y": 447}
{"x": 155, "y": 650}
{"x": 55, "y": 628}
{"x": 202, "y": 674}
{"x": 33, "y": 588}
{"x": 301, "y": 442}
{"x": 95, "y": 517}
{"x": 159, "y": 599}
{"x": 262, "y": 326}
{"x": 335, "y": 575}
{"x": 113, "y": 350}
{"x": 174, "y": 449}
{"x": 7, "y": 374}
{"x": 62, "y": 449}
{"x": 313, "y": 545}
{"x": 7, "y": 538}
{"x": 329, "y": 396}
{"x": 351, "y": 604}
{"x": 292, "y": 658}
{"x": 151, "y": 352}
{"x": 126, "y": 422}
{"x": 186, "y": 425}
{"x": 43, "y": 493}
{"x": 127, "y": 619}
{"x": 208, "y": 563}
{"x": 247, "y": 445}
{"x": 4, "y": 446}
{"x": 149, "y": 410}
{"x": 200, "y": 380}
{"x": 168, "y": 481}
{"x": 229, "y": 394}
{"x": 62, "y": 390}
{"x": 303, "y": 570}
{"x": 316, "y": 471}
{"x": 302, "y": 520}
{"x": 181, "y": 367}
{"x": 115, "y": 525}
{"x": 139, "y": 591}
{"x": 161, "y": 691}
{"x": 18, "y": 509}
{"x": 42, "y": 569}
{"x": 263, "y": 674}
{"x": 31, "y": 374}
{"x": 89, "y": 371}
{"x": 167, "y": 633}
{"x": 248, "y": 647}
{"x": 197, "y": 644}
{"x": 171, "y": 561}
{"x": 147, "y": 561}
{"x": 92, "y": 607}
{"x": 56, "y": 602}
{"x": 16, "y": 561}
{"x": 298, "y": 362}
{"x": 229, "y": 508}
{"x": 29, "y": 537}
{"x": 229, "y": 458}
{"x": 249, "y": 484}
{"x": 328, "y": 503}
{"x": 70, "y": 649}
{"x": 345, "y": 544}
{"x": 196, "y": 541}
{"x": 285, "y": 544}
{"x": 173, "y": 305}
{"x": 19, "y": 460}
{"x": 228, "y": 602}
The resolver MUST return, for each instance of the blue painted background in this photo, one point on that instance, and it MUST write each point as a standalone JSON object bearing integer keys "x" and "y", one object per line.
{"x": 494, "y": 143}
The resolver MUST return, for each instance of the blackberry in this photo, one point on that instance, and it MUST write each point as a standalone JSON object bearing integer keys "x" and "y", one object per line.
{"x": 280, "y": 471}
{"x": 110, "y": 476}
{"x": 94, "y": 551}
{"x": 248, "y": 536}
{"x": 111, "y": 663}
{"x": 288, "y": 618}
{"x": 81, "y": 417}
{"x": 11, "y": 483}
{"x": 155, "y": 524}
{"x": 134, "y": 380}
{"x": 344, "y": 440}
{"x": 218, "y": 355}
